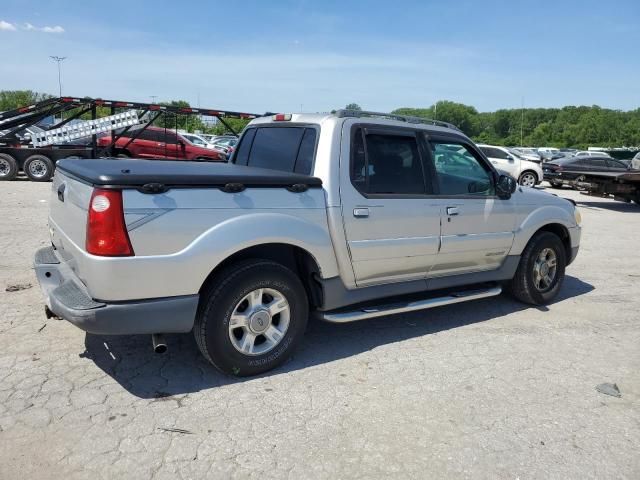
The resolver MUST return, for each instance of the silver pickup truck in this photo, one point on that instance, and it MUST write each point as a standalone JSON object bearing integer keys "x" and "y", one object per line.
{"x": 343, "y": 216}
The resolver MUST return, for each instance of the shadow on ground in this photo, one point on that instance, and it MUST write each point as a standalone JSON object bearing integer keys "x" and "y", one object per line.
{"x": 132, "y": 363}
{"x": 613, "y": 206}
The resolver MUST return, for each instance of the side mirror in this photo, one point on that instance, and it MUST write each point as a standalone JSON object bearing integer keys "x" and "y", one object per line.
{"x": 510, "y": 158}
{"x": 505, "y": 186}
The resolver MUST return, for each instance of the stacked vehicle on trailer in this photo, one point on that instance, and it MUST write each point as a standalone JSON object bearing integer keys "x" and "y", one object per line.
{"x": 26, "y": 144}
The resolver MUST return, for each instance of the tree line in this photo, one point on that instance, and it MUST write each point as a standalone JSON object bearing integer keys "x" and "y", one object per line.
{"x": 570, "y": 126}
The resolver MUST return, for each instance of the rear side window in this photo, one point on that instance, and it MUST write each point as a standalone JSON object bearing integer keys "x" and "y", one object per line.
{"x": 386, "y": 164}
{"x": 597, "y": 163}
{"x": 616, "y": 164}
{"x": 289, "y": 149}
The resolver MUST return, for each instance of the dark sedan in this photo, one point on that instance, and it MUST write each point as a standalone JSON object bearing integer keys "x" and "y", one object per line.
{"x": 570, "y": 171}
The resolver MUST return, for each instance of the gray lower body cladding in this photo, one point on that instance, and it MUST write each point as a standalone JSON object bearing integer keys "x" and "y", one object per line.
{"x": 336, "y": 295}
{"x": 68, "y": 299}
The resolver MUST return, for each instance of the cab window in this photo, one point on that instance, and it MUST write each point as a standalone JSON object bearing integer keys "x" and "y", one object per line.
{"x": 459, "y": 171}
{"x": 289, "y": 149}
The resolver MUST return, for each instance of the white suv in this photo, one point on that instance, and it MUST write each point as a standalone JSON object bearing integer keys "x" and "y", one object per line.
{"x": 528, "y": 174}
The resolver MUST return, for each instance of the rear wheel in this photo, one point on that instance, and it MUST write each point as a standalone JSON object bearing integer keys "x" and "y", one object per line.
{"x": 579, "y": 178}
{"x": 38, "y": 168}
{"x": 251, "y": 317}
{"x": 8, "y": 167}
{"x": 541, "y": 270}
{"x": 528, "y": 179}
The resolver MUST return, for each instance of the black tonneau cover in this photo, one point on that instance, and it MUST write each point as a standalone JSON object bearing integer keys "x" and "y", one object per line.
{"x": 178, "y": 173}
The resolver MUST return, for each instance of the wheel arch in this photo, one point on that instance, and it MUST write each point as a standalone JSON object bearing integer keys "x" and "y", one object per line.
{"x": 294, "y": 257}
{"x": 529, "y": 170}
{"x": 558, "y": 229}
{"x": 553, "y": 219}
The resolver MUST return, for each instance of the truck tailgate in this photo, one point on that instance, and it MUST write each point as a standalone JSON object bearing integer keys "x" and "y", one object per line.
{"x": 68, "y": 213}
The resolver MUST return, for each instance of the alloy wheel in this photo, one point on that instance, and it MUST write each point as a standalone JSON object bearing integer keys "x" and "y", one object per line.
{"x": 37, "y": 168}
{"x": 259, "y": 321}
{"x": 544, "y": 269}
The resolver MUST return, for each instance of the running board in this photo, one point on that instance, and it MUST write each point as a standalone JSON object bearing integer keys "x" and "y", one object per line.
{"x": 384, "y": 310}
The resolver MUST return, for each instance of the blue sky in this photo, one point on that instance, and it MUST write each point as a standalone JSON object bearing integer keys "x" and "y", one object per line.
{"x": 283, "y": 55}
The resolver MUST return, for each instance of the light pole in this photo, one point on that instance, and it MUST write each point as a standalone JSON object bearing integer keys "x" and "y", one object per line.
{"x": 59, "y": 61}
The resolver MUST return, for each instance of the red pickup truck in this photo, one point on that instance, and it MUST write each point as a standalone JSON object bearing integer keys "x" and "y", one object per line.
{"x": 156, "y": 142}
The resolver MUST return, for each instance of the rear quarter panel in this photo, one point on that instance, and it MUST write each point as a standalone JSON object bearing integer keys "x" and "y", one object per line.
{"x": 180, "y": 236}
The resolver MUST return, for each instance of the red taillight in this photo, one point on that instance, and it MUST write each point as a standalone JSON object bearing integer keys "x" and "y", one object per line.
{"x": 106, "y": 230}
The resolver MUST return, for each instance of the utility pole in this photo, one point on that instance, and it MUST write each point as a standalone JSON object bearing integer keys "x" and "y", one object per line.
{"x": 522, "y": 125}
{"x": 153, "y": 98}
{"x": 59, "y": 61}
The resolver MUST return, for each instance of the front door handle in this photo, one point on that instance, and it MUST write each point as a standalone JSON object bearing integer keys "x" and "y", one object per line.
{"x": 452, "y": 211}
{"x": 361, "y": 212}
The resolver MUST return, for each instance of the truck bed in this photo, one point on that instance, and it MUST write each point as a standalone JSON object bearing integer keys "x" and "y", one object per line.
{"x": 133, "y": 173}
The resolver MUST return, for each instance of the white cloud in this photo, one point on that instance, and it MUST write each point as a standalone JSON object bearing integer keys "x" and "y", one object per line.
{"x": 45, "y": 29}
{"x": 56, "y": 29}
{"x": 6, "y": 26}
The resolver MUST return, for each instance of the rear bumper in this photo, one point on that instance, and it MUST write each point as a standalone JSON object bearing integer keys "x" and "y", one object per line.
{"x": 67, "y": 298}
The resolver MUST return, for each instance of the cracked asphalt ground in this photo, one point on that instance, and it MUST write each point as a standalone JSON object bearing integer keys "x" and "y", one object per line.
{"x": 490, "y": 389}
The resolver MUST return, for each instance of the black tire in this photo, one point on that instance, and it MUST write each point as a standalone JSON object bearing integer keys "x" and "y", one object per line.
{"x": 38, "y": 168}
{"x": 8, "y": 167}
{"x": 579, "y": 178}
{"x": 555, "y": 185}
{"x": 221, "y": 297}
{"x": 523, "y": 285}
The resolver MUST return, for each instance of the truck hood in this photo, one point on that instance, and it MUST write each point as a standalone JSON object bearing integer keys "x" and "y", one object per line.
{"x": 534, "y": 196}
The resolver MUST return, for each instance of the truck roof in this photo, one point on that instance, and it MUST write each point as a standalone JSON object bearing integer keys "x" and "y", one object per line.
{"x": 379, "y": 118}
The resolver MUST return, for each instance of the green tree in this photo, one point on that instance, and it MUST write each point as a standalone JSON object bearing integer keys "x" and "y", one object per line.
{"x": 353, "y": 106}
{"x": 12, "y": 99}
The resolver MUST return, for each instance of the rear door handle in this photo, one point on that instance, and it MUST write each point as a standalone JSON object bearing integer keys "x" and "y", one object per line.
{"x": 61, "y": 190}
{"x": 452, "y": 211}
{"x": 361, "y": 212}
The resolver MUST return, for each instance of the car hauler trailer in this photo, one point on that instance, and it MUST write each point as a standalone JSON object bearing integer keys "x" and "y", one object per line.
{"x": 621, "y": 186}
{"x": 27, "y": 145}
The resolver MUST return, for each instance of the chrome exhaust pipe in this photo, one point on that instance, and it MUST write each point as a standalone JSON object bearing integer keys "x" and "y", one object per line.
{"x": 159, "y": 343}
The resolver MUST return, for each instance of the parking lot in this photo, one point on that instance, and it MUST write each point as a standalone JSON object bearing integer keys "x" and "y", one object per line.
{"x": 487, "y": 389}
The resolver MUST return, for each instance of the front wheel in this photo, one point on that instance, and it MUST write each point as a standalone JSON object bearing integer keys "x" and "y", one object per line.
{"x": 528, "y": 179}
{"x": 251, "y": 317}
{"x": 541, "y": 270}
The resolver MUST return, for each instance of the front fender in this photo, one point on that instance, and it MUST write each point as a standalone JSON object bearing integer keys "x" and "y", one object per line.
{"x": 535, "y": 220}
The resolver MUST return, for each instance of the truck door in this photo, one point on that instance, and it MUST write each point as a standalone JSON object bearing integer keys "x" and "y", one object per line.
{"x": 477, "y": 226}
{"x": 392, "y": 225}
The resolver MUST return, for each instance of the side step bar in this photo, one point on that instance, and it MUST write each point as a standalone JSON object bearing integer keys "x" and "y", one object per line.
{"x": 383, "y": 310}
